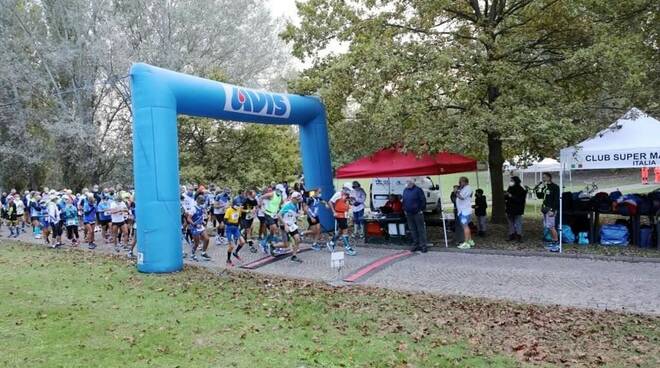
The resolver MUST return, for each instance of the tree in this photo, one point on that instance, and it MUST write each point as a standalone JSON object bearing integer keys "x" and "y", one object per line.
{"x": 490, "y": 79}
{"x": 65, "y": 117}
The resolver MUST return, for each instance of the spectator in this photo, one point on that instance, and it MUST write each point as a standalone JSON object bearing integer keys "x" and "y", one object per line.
{"x": 480, "y": 206}
{"x": 393, "y": 206}
{"x": 358, "y": 197}
{"x": 515, "y": 197}
{"x": 464, "y": 208}
{"x": 414, "y": 204}
{"x": 549, "y": 192}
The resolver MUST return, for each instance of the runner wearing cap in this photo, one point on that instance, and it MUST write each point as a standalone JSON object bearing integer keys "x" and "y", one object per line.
{"x": 233, "y": 232}
{"x": 197, "y": 229}
{"x": 340, "y": 208}
{"x": 312, "y": 206}
{"x": 289, "y": 217}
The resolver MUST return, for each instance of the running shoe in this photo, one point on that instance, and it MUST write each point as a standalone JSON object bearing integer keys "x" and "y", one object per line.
{"x": 129, "y": 254}
{"x": 38, "y": 236}
{"x": 280, "y": 251}
{"x": 117, "y": 249}
{"x": 471, "y": 242}
{"x": 91, "y": 246}
{"x": 350, "y": 251}
{"x": 194, "y": 258}
{"x": 295, "y": 259}
{"x": 464, "y": 245}
{"x": 230, "y": 264}
{"x": 331, "y": 246}
{"x": 237, "y": 257}
{"x": 252, "y": 249}
{"x": 205, "y": 256}
{"x": 316, "y": 247}
{"x": 269, "y": 249}
{"x": 263, "y": 246}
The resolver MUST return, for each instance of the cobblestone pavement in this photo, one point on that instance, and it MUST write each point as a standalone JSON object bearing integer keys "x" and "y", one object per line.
{"x": 597, "y": 284}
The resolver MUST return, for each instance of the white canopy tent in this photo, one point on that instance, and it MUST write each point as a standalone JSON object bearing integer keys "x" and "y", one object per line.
{"x": 633, "y": 141}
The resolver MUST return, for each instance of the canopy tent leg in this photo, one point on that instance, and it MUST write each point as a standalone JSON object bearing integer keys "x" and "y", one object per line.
{"x": 561, "y": 210}
{"x": 442, "y": 212}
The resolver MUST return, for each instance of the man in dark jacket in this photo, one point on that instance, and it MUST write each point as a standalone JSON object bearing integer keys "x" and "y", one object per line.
{"x": 549, "y": 192}
{"x": 414, "y": 204}
{"x": 515, "y": 198}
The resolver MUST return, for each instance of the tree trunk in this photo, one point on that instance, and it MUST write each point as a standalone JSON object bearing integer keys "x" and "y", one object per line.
{"x": 495, "y": 162}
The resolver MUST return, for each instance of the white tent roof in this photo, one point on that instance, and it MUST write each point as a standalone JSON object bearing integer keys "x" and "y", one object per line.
{"x": 547, "y": 164}
{"x": 631, "y": 141}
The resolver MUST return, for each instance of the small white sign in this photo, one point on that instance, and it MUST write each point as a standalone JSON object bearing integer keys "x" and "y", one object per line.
{"x": 337, "y": 260}
{"x": 140, "y": 258}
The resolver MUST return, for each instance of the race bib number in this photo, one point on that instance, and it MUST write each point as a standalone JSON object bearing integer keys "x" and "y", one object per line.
{"x": 249, "y": 216}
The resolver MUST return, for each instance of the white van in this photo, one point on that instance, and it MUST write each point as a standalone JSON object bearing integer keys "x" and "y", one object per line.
{"x": 381, "y": 188}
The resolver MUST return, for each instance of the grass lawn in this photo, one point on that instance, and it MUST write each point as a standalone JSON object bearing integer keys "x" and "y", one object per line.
{"x": 72, "y": 308}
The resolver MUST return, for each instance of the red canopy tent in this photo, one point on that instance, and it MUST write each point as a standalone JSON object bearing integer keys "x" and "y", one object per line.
{"x": 391, "y": 162}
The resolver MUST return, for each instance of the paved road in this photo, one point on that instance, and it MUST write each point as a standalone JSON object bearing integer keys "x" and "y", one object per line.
{"x": 621, "y": 286}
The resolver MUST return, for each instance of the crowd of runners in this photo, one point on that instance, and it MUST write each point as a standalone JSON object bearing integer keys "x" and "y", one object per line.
{"x": 274, "y": 220}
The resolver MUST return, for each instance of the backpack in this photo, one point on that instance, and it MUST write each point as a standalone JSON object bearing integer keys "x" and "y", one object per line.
{"x": 567, "y": 234}
{"x": 645, "y": 206}
{"x": 627, "y": 205}
{"x": 615, "y": 195}
{"x": 602, "y": 202}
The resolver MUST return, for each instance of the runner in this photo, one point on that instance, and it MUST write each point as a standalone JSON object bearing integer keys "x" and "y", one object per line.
{"x": 35, "y": 213}
{"x": 289, "y": 217}
{"x": 89, "y": 219}
{"x": 54, "y": 220}
{"x": 20, "y": 212}
{"x": 261, "y": 215}
{"x": 220, "y": 205}
{"x": 12, "y": 216}
{"x": 134, "y": 238}
{"x": 103, "y": 209}
{"x": 118, "y": 213}
{"x": 232, "y": 231}
{"x": 44, "y": 221}
{"x": 275, "y": 199}
{"x": 196, "y": 227}
{"x": 340, "y": 209}
{"x": 312, "y": 207}
{"x": 248, "y": 211}
{"x": 70, "y": 216}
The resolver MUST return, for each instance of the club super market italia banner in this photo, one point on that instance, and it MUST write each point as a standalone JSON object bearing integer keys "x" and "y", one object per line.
{"x": 577, "y": 159}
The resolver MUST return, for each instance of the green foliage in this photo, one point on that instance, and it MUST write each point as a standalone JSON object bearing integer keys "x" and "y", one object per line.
{"x": 236, "y": 155}
{"x": 490, "y": 79}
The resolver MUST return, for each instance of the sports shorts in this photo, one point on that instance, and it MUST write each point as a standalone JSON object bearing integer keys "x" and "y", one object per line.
{"x": 232, "y": 233}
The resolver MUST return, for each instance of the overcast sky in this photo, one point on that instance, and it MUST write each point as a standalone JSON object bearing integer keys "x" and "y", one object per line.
{"x": 286, "y": 8}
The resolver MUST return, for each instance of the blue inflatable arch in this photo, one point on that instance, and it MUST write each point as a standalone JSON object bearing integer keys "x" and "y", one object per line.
{"x": 158, "y": 95}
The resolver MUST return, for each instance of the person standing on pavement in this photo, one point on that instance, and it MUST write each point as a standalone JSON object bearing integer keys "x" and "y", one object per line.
{"x": 464, "y": 208}
{"x": 515, "y": 197}
{"x": 414, "y": 204}
{"x": 549, "y": 192}
{"x": 358, "y": 197}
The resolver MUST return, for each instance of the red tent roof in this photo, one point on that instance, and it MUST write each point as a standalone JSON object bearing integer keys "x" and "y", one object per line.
{"x": 393, "y": 163}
